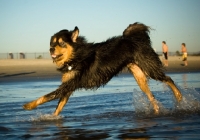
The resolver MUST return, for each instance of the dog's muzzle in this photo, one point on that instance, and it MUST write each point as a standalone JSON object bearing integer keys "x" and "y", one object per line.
{"x": 52, "y": 50}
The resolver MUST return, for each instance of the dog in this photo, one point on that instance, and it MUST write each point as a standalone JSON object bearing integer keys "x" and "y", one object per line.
{"x": 91, "y": 65}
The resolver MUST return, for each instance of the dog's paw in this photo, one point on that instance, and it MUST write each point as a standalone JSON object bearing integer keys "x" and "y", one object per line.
{"x": 29, "y": 106}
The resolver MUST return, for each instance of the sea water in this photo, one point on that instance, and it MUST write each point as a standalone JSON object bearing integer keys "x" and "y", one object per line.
{"x": 117, "y": 111}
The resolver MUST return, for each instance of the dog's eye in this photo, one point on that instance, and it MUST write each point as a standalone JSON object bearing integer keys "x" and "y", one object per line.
{"x": 62, "y": 44}
{"x": 52, "y": 44}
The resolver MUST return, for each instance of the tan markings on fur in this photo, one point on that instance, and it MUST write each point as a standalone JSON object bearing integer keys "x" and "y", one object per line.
{"x": 55, "y": 39}
{"x": 61, "y": 104}
{"x": 142, "y": 82}
{"x": 67, "y": 54}
{"x": 60, "y": 40}
{"x": 35, "y": 103}
{"x": 68, "y": 76}
{"x": 175, "y": 90}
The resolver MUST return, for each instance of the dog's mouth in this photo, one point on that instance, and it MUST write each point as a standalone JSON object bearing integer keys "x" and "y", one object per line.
{"x": 54, "y": 56}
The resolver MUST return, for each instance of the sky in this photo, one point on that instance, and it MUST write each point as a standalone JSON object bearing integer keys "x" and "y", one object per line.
{"x": 27, "y": 25}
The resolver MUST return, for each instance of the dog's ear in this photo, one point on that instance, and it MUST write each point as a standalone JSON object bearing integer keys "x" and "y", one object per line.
{"x": 75, "y": 34}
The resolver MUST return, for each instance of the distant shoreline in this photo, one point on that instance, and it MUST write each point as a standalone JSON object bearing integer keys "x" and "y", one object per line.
{"x": 44, "y": 69}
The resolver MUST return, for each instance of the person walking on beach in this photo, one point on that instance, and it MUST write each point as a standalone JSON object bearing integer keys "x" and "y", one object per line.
{"x": 165, "y": 53}
{"x": 184, "y": 53}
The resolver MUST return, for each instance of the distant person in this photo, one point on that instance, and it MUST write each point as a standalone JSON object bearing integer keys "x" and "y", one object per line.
{"x": 165, "y": 53}
{"x": 184, "y": 52}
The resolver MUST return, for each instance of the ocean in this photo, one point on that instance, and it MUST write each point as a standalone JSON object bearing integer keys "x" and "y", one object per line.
{"x": 118, "y": 110}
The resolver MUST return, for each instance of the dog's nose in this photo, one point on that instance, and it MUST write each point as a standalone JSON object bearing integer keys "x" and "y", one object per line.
{"x": 52, "y": 49}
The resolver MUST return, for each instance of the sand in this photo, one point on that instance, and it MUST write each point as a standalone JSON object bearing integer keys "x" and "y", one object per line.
{"x": 24, "y": 69}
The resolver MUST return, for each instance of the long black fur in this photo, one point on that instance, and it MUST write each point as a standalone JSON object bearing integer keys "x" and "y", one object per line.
{"x": 96, "y": 63}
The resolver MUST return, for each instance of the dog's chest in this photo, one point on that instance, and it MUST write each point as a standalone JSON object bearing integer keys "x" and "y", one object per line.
{"x": 68, "y": 76}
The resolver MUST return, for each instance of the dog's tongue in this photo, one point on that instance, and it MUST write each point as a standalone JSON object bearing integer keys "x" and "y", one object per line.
{"x": 53, "y": 56}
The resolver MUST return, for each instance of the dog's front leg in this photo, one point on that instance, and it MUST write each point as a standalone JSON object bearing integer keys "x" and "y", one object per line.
{"x": 63, "y": 93}
{"x": 63, "y": 100}
{"x": 46, "y": 98}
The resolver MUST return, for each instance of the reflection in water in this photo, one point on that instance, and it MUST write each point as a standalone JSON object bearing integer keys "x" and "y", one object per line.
{"x": 184, "y": 77}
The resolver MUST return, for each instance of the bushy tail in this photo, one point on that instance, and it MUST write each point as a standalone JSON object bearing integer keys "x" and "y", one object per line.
{"x": 136, "y": 28}
{"x": 147, "y": 59}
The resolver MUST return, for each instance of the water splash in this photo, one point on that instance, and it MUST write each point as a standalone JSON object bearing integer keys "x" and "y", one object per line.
{"x": 38, "y": 117}
{"x": 143, "y": 107}
{"x": 45, "y": 117}
{"x": 190, "y": 104}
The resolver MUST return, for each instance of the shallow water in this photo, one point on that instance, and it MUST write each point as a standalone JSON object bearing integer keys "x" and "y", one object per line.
{"x": 117, "y": 111}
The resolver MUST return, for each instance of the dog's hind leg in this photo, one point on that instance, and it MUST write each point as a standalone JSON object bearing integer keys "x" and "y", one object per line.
{"x": 46, "y": 98}
{"x": 175, "y": 90}
{"x": 63, "y": 100}
{"x": 141, "y": 79}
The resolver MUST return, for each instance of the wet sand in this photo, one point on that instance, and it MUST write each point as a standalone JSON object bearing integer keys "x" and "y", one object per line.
{"x": 177, "y": 65}
{"x": 24, "y": 69}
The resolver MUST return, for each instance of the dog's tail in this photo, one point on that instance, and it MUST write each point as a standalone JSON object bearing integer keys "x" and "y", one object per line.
{"x": 136, "y": 28}
{"x": 150, "y": 63}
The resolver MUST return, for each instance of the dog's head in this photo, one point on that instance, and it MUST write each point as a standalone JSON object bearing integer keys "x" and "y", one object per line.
{"x": 61, "y": 49}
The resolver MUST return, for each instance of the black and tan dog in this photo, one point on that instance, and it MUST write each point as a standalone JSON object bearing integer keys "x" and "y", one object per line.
{"x": 90, "y": 65}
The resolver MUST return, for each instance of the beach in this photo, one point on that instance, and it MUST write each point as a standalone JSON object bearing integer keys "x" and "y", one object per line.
{"x": 27, "y": 69}
{"x": 22, "y": 69}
